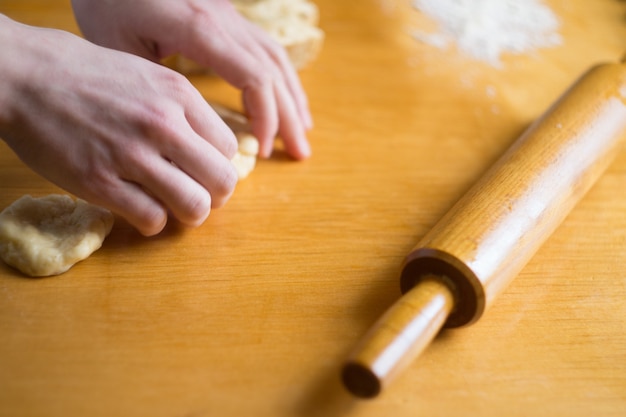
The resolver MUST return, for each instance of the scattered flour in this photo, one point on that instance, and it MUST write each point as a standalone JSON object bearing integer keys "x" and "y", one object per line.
{"x": 485, "y": 29}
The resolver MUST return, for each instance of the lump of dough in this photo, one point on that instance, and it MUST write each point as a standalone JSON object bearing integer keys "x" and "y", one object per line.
{"x": 247, "y": 144}
{"x": 245, "y": 158}
{"x": 48, "y": 235}
{"x": 292, "y": 23}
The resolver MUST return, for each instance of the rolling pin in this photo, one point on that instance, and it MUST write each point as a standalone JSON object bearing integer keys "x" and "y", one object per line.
{"x": 458, "y": 269}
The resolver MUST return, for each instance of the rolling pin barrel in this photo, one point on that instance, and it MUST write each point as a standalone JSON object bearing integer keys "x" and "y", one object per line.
{"x": 457, "y": 270}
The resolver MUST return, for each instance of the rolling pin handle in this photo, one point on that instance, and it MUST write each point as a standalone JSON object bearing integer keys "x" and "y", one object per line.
{"x": 399, "y": 336}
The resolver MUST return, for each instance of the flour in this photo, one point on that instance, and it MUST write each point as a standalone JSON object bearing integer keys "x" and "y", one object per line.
{"x": 486, "y": 29}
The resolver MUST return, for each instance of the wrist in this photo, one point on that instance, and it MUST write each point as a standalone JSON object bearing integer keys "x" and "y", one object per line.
{"x": 23, "y": 57}
{"x": 10, "y": 77}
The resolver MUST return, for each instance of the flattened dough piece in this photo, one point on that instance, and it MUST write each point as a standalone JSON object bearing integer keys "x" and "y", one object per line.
{"x": 48, "y": 235}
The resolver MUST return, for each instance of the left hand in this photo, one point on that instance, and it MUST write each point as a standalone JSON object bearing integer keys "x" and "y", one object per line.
{"x": 214, "y": 34}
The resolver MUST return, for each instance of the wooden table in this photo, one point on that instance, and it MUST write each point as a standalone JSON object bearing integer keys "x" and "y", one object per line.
{"x": 253, "y": 313}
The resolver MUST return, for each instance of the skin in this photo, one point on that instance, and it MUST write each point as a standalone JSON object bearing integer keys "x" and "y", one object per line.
{"x": 102, "y": 120}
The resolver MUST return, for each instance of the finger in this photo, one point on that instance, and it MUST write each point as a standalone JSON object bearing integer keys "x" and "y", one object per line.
{"x": 255, "y": 76}
{"x": 291, "y": 104}
{"x": 188, "y": 201}
{"x": 141, "y": 210}
{"x": 209, "y": 125}
{"x": 131, "y": 202}
{"x": 242, "y": 70}
{"x": 280, "y": 57}
{"x": 263, "y": 121}
{"x": 291, "y": 128}
{"x": 151, "y": 185}
{"x": 261, "y": 108}
{"x": 274, "y": 57}
{"x": 271, "y": 109}
{"x": 201, "y": 161}
{"x": 291, "y": 125}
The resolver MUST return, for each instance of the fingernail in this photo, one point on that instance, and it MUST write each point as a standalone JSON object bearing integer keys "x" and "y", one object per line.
{"x": 266, "y": 151}
{"x": 305, "y": 150}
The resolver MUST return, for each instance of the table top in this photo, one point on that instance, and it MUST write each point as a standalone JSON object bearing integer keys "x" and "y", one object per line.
{"x": 254, "y": 312}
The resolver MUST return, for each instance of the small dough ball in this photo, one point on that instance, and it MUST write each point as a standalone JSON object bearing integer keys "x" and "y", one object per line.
{"x": 244, "y": 164}
{"x": 48, "y": 235}
{"x": 248, "y": 144}
{"x": 245, "y": 158}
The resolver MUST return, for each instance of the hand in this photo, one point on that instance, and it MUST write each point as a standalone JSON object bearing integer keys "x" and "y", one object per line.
{"x": 113, "y": 128}
{"x": 212, "y": 33}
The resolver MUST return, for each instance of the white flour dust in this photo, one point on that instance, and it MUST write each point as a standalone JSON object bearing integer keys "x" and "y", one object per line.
{"x": 486, "y": 29}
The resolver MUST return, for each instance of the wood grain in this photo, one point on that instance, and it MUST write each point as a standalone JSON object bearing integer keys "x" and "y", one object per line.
{"x": 254, "y": 312}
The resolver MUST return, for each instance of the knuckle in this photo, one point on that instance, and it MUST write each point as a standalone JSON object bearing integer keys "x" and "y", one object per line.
{"x": 151, "y": 222}
{"x": 158, "y": 120}
{"x": 173, "y": 78}
{"x": 231, "y": 147}
{"x": 261, "y": 79}
{"x": 134, "y": 164}
{"x": 150, "y": 120}
{"x": 148, "y": 219}
{"x": 197, "y": 209}
{"x": 160, "y": 112}
{"x": 278, "y": 52}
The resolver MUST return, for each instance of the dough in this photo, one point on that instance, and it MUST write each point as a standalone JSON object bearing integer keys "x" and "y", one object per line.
{"x": 248, "y": 145}
{"x": 245, "y": 159}
{"x": 48, "y": 235}
{"x": 294, "y": 24}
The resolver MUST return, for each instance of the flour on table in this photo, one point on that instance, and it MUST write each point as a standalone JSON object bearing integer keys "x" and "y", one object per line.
{"x": 486, "y": 29}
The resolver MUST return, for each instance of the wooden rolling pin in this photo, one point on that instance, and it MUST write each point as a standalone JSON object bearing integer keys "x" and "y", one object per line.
{"x": 456, "y": 271}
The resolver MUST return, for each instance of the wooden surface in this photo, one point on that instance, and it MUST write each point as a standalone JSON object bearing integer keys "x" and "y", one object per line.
{"x": 253, "y": 313}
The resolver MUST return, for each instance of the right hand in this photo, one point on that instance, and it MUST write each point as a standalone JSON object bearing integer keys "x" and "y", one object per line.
{"x": 113, "y": 128}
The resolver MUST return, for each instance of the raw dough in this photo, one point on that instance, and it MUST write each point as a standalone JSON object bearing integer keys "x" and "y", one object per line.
{"x": 248, "y": 145}
{"x": 294, "y": 24}
{"x": 48, "y": 235}
{"x": 245, "y": 159}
